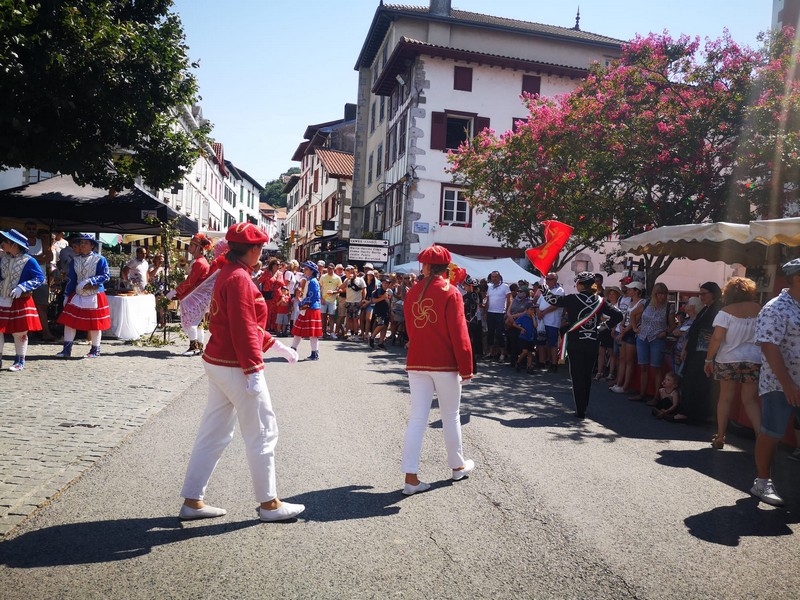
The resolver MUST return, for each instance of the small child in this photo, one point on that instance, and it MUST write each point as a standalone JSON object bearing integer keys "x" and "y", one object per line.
{"x": 282, "y": 312}
{"x": 669, "y": 400}
{"x": 526, "y": 324}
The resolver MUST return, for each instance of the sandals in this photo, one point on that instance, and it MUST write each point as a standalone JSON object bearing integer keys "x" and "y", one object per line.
{"x": 717, "y": 441}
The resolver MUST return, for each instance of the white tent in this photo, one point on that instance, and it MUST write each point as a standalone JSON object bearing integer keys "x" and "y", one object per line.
{"x": 480, "y": 268}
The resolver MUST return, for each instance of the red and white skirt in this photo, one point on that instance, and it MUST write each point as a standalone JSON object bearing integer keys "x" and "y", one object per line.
{"x": 86, "y": 313}
{"x": 20, "y": 316}
{"x": 308, "y": 324}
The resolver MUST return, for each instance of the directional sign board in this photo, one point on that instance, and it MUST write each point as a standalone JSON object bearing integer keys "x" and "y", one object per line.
{"x": 368, "y": 250}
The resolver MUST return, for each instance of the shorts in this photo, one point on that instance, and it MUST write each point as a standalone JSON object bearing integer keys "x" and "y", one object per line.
{"x": 353, "y": 310}
{"x": 552, "y": 335}
{"x": 327, "y": 308}
{"x": 341, "y": 309}
{"x": 282, "y": 319}
{"x": 775, "y": 413}
{"x": 629, "y": 338}
{"x": 650, "y": 353}
{"x": 379, "y": 319}
{"x": 741, "y": 372}
{"x": 528, "y": 345}
{"x": 606, "y": 341}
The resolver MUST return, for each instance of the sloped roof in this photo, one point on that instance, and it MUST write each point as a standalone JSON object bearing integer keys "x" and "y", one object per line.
{"x": 385, "y": 14}
{"x": 336, "y": 163}
{"x": 407, "y": 49}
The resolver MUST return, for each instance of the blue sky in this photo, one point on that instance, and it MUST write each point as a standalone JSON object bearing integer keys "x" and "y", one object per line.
{"x": 269, "y": 68}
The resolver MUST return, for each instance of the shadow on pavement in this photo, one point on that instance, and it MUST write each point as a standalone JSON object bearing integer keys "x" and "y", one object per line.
{"x": 727, "y": 525}
{"x": 351, "y": 502}
{"x": 104, "y": 541}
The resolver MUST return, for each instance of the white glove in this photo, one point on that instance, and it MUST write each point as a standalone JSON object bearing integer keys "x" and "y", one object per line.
{"x": 82, "y": 284}
{"x": 290, "y": 354}
{"x": 17, "y": 292}
{"x": 256, "y": 383}
{"x": 171, "y": 294}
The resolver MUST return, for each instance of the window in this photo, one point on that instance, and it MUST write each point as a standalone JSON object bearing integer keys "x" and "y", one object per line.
{"x": 389, "y": 204}
{"x": 449, "y": 129}
{"x": 391, "y": 147}
{"x": 372, "y": 117}
{"x": 515, "y": 123}
{"x": 379, "y": 161}
{"x": 401, "y": 135}
{"x": 462, "y": 79}
{"x": 531, "y": 84}
{"x": 370, "y": 161}
{"x": 367, "y": 217}
{"x": 398, "y": 205}
{"x": 383, "y": 108}
{"x": 459, "y": 130}
{"x": 455, "y": 208}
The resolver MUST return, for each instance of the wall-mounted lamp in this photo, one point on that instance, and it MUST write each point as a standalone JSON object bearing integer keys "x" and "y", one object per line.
{"x": 400, "y": 79}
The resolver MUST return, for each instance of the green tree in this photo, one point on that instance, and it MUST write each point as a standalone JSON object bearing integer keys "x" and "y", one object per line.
{"x": 92, "y": 89}
{"x": 273, "y": 190}
{"x": 768, "y": 171}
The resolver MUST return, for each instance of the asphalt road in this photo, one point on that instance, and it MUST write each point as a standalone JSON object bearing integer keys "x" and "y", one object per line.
{"x": 618, "y": 506}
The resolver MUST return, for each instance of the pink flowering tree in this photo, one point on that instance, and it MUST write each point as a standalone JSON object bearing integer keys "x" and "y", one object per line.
{"x": 661, "y": 127}
{"x": 534, "y": 173}
{"x": 649, "y": 141}
{"x": 768, "y": 170}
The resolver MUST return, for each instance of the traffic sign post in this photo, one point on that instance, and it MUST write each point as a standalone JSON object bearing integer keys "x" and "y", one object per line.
{"x": 365, "y": 250}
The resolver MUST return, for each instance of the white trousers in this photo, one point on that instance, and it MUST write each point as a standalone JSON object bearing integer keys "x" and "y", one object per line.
{"x": 94, "y": 336}
{"x": 227, "y": 400}
{"x": 448, "y": 389}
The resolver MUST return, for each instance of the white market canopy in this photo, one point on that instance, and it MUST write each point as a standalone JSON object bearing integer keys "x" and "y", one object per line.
{"x": 726, "y": 242}
{"x": 480, "y": 268}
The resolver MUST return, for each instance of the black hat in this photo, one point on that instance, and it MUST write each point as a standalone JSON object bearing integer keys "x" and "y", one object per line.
{"x": 584, "y": 277}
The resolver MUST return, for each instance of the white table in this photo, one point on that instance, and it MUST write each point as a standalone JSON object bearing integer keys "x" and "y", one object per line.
{"x": 131, "y": 316}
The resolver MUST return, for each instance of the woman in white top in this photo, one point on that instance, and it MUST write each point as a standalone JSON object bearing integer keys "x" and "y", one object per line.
{"x": 733, "y": 356}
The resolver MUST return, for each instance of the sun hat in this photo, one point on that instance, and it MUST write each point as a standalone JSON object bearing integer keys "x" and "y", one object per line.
{"x": 636, "y": 285}
{"x": 87, "y": 236}
{"x": 12, "y": 235}
{"x": 246, "y": 233}
{"x": 792, "y": 267}
{"x": 311, "y": 265}
{"x": 435, "y": 255}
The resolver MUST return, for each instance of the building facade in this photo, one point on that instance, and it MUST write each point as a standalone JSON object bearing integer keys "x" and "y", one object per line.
{"x": 319, "y": 198}
{"x": 429, "y": 79}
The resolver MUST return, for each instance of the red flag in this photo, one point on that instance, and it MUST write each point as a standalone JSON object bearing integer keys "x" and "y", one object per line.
{"x": 556, "y": 235}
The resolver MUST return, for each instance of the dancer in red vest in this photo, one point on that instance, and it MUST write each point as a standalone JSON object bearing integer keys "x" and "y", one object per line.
{"x": 439, "y": 360}
{"x": 197, "y": 274}
{"x": 234, "y": 364}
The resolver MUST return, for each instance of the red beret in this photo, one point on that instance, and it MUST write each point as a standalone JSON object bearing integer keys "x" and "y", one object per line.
{"x": 246, "y": 233}
{"x": 435, "y": 255}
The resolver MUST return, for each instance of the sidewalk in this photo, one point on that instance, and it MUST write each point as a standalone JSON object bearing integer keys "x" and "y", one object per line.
{"x": 59, "y": 417}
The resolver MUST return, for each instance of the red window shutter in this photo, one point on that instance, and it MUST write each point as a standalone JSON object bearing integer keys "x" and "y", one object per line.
{"x": 438, "y": 130}
{"x": 531, "y": 84}
{"x": 481, "y": 123}
{"x": 462, "y": 79}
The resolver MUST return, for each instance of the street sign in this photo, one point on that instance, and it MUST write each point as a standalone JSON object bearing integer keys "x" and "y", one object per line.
{"x": 365, "y": 242}
{"x": 367, "y": 253}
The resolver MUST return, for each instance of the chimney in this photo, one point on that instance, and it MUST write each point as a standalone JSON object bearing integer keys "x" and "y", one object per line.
{"x": 440, "y": 8}
{"x": 350, "y": 112}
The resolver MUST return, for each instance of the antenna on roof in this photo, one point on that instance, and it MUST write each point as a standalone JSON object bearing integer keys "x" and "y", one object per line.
{"x": 578, "y": 19}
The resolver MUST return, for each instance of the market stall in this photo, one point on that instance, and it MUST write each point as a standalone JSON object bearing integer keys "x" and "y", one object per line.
{"x": 132, "y": 316}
